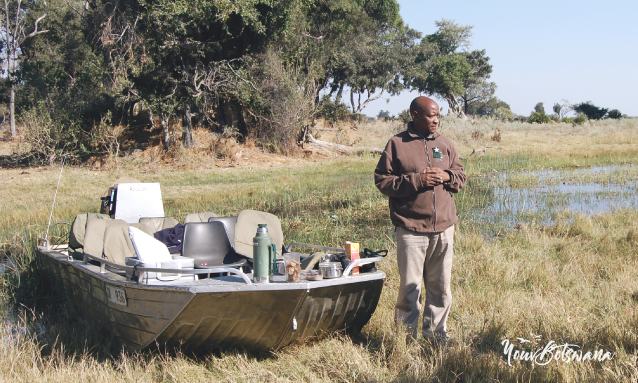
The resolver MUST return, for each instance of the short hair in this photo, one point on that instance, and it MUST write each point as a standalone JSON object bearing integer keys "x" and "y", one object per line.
{"x": 414, "y": 105}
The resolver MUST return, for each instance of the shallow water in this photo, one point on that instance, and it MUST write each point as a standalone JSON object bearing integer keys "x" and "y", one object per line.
{"x": 555, "y": 193}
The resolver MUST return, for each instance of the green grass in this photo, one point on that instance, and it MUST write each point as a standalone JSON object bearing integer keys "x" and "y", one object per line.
{"x": 575, "y": 281}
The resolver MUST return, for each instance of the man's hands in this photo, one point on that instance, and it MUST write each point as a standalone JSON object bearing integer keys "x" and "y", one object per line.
{"x": 434, "y": 176}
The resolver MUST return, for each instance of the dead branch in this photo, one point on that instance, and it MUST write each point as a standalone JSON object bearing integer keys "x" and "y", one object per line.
{"x": 341, "y": 149}
{"x": 483, "y": 149}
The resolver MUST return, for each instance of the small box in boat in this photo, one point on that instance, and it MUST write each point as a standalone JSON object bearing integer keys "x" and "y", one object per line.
{"x": 352, "y": 252}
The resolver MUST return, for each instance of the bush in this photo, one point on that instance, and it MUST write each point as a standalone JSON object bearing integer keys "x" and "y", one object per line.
{"x": 332, "y": 111}
{"x": 590, "y": 110}
{"x": 538, "y": 117}
{"x": 405, "y": 117}
{"x": 568, "y": 120}
{"x": 615, "y": 114}
{"x": 504, "y": 114}
{"x": 580, "y": 119}
{"x": 554, "y": 117}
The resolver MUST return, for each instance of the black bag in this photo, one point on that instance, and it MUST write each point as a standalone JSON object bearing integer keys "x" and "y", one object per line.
{"x": 367, "y": 253}
{"x": 173, "y": 238}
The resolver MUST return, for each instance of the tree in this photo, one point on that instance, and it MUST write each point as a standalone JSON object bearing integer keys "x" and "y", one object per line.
{"x": 450, "y": 70}
{"x": 590, "y": 110}
{"x": 383, "y": 114}
{"x": 477, "y": 88}
{"x": 561, "y": 109}
{"x": 14, "y": 34}
{"x": 489, "y": 108}
{"x": 539, "y": 108}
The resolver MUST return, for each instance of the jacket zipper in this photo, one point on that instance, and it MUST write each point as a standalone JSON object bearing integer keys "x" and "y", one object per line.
{"x": 427, "y": 155}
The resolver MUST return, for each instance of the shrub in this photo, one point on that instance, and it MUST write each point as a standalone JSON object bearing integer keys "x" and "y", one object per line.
{"x": 569, "y": 120}
{"x": 580, "y": 119}
{"x": 538, "y": 117}
{"x": 405, "y": 117}
{"x": 554, "y": 117}
{"x": 332, "y": 111}
{"x": 614, "y": 113}
{"x": 504, "y": 114}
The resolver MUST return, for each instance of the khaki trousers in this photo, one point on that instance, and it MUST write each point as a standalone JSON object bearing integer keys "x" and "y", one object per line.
{"x": 424, "y": 257}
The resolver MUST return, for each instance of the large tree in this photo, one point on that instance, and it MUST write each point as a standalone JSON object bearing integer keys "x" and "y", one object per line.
{"x": 450, "y": 70}
{"x": 15, "y": 29}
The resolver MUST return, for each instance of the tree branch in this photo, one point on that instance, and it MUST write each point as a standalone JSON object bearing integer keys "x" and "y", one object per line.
{"x": 35, "y": 30}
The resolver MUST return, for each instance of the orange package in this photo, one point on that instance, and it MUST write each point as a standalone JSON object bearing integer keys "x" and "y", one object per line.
{"x": 352, "y": 252}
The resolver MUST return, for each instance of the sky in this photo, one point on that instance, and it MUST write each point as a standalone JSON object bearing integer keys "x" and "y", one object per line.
{"x": 542, "y": 51}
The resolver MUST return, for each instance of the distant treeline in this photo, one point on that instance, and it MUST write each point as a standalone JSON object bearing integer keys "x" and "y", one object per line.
{"x": 85, "y": 72}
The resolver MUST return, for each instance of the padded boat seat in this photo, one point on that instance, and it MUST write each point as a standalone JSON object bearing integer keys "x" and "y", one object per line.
{"x": 229, "y": 225}
{"x": 117, "y": 241}
{"x": 208, "y": 244}
{"x": 94, "y": 236}
{"x": 199, "y": 217}
{"x": 246, "y": 228}
{"x": 78, "y": 228}
{"x": 160, "y": 223}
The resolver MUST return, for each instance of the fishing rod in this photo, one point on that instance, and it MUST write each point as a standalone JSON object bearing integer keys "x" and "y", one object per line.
{"x": 46, "y": 236}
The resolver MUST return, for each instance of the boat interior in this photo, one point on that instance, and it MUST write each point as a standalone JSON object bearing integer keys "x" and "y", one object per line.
{"x": 213, "y": 247}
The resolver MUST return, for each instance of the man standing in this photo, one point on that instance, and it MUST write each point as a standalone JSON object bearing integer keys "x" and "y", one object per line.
{"x": 419, "y": 170}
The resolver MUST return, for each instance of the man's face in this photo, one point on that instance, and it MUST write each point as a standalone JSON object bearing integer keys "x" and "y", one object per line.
{"x": 426, "y": 120}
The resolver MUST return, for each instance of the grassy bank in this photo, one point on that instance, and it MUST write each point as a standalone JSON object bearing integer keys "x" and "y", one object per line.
{"x": 575, "y": 281}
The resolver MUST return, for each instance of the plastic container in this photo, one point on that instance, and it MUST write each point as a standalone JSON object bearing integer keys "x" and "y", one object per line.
{"x": 292, "y": 266}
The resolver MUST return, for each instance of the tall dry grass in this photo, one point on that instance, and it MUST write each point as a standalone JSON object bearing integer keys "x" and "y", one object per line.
{"x": 573, "y": 282}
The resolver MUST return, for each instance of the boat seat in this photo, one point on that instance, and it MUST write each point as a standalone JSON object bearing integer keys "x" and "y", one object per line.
{"x": 246, "y": 228}
{"x": 160, "y": 223}
{"x": 208, "y": 244}
{"x": 78, "y": 228}
{"x": 94, "y": 236}
{"x": 117, "y": 241}
{"x": 199, "y": 217}
{"x": 229, "y": 225}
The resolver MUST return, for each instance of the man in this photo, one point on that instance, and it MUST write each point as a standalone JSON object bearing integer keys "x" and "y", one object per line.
{"x": 419, "y": 170}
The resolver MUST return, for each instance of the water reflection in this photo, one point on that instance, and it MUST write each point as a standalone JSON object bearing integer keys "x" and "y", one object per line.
{"x": 542, "y": 195}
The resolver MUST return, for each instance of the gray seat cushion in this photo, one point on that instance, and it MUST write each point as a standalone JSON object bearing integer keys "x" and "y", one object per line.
{"x": 208, "y": 244}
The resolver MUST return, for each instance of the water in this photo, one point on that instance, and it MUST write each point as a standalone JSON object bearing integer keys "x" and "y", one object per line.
{"x": 555, "y": 193}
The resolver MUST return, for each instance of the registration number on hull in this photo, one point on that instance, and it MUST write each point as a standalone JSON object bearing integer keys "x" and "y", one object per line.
{"x": 116, "y": 295}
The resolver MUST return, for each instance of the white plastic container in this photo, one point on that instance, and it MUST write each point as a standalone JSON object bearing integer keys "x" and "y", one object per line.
{"x": 178, "y": 262}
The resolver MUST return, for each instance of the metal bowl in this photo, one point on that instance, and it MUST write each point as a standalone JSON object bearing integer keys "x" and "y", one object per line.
{"x": 331, "y": 269}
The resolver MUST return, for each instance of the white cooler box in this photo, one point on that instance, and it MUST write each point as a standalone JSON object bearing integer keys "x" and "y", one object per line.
{"x": 178, "y": 262}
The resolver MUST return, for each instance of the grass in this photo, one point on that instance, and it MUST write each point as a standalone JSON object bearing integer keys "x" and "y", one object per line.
{"x": 575, "y": 281}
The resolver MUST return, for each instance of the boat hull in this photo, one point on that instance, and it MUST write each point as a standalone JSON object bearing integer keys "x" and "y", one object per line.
{"x": 226, "y": 313}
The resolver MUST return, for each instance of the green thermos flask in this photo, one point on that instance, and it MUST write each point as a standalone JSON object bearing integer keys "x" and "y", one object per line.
{"x": 264, "y": 255}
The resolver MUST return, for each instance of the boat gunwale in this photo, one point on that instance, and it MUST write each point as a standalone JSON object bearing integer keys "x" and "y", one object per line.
{"x": 221, "y": 284}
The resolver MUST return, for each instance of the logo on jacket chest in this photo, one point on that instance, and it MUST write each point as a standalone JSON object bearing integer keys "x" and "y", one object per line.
{"x": 436, "y": 153}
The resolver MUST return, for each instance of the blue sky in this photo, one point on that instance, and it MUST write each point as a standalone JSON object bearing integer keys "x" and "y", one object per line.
{"x": 543, "y": 51}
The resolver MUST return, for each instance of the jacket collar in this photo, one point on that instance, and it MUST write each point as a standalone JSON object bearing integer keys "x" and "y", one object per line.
{"x": 414, "y": 134}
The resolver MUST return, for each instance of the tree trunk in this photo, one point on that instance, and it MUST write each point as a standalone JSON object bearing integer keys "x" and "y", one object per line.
{"x": 12, "y": 115}
{"x": 187, "y": 128}
{"x": 167, "y": 137}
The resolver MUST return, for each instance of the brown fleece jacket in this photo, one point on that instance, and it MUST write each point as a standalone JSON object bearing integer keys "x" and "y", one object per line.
{"x": 414, "y": 206}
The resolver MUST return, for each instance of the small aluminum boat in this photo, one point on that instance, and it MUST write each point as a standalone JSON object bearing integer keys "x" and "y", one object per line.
{"x": 194, "y": 313}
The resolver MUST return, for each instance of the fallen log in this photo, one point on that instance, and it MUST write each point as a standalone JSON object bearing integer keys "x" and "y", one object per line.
{"x": 341, "y": 149}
